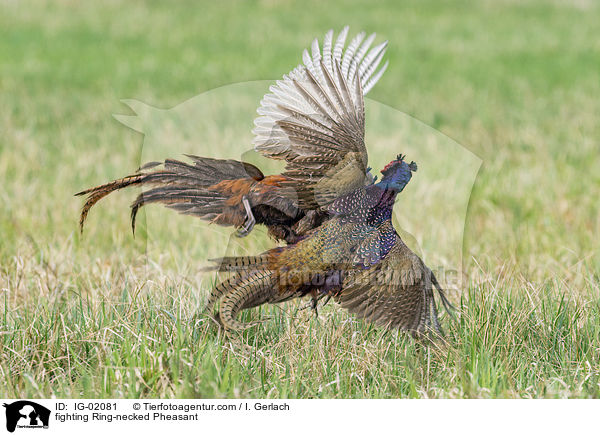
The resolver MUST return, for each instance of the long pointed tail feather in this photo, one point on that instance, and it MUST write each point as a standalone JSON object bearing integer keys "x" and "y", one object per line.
{"x": 450, "y": 309}
{"x": 242, "y": 292}
{"x": 182, "y": 186}
{"x": 241, "y": 263}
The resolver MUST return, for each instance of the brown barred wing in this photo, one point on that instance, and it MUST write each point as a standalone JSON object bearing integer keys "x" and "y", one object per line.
{"x": 395, "y": 293}
{"x": 314, "y": 119}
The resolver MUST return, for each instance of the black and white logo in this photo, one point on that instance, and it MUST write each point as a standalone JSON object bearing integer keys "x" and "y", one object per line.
{"x": 25, "y": 414}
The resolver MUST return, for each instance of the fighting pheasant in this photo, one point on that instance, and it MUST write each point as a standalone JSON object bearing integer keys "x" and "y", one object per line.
{"x": 326, "y": 205}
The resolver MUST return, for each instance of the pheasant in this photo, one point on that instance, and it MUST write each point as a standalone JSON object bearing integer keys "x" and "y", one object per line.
{"x": 225, "y": 192}
{"x": 334, "y": 216}
{"x": 356, "y": 257}
{"x": 238, "y": 194}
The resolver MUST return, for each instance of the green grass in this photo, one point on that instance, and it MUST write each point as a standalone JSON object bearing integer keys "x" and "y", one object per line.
{"x": 107, "y": 315}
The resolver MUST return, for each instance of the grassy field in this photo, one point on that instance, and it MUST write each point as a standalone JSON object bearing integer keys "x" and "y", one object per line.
{"x": 109, "y": 315}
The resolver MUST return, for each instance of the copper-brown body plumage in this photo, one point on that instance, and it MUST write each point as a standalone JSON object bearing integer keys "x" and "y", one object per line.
{"x": 326, "y": 206}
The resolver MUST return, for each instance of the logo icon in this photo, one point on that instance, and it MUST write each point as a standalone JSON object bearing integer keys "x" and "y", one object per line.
{"x": 26, "y": 414}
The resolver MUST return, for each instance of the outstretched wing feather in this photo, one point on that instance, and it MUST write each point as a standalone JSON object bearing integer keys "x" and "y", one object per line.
{"x": 318, "y": 110}
{"x": 397, "y": 292}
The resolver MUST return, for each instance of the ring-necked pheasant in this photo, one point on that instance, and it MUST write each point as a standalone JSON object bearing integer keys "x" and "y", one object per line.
{"x": 234, "y": 193}
{"x": 335, "y": 218}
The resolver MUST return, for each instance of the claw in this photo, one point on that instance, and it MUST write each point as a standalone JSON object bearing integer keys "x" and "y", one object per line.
{"x": 250, "y": 220}
{"x": 314, "y": 303}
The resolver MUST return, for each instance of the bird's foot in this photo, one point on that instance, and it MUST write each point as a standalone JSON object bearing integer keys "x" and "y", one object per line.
{"x": 314, "y": 303}
{"x": 250, "y": 220}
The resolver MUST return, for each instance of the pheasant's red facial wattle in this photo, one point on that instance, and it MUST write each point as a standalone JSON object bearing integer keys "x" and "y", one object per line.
{"x": 389, "y": 166}
{"x": 337, "y": 224}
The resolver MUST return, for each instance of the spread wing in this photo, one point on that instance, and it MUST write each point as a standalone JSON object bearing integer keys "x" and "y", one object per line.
{"x": 314, "y": 118}
{"x": 397, "y": 292}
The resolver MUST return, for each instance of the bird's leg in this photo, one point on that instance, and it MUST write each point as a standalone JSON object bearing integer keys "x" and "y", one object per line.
{"x": 314, "y": 305}
{"x": 314, "y": 302}
{"x": 250, "y": 220}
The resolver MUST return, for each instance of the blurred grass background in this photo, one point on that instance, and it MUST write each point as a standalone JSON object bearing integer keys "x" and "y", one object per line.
{"x": 106, "y": 315}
